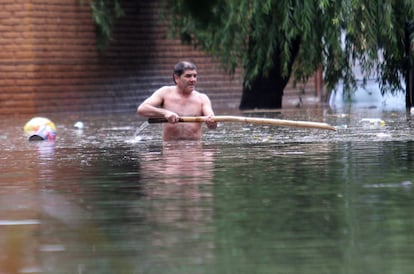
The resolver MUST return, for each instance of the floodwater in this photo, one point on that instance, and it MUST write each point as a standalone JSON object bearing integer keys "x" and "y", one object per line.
{"x": 110, "y": 198}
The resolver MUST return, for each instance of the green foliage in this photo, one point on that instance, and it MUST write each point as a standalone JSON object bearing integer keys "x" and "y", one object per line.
{"x": 103, "y": 13}
{"x": 376, "y": 37}
{"x": 333, "y": 34}
{"x": 247, "y": 34}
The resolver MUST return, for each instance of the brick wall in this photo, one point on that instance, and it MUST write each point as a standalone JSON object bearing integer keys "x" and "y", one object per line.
{"x": 49, "y": 62}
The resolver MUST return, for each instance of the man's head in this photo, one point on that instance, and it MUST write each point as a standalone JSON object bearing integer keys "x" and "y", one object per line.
{"x": 182, "y": 66}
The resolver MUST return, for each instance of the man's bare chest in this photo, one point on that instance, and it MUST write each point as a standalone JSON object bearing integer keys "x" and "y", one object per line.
{"x": 184, "y": 106}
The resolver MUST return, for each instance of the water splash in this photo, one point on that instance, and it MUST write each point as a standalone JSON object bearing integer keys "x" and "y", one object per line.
{"x": 141, "y": 128}
{"x": 137, "y": 137}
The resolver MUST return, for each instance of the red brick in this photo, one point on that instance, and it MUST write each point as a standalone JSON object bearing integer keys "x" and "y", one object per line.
{"x": 49, "y": 61}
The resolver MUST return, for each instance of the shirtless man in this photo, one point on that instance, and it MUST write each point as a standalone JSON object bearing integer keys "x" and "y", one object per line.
{"x": 171, "y": 102}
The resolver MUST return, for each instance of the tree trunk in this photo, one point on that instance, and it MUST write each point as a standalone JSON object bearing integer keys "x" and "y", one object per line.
{"x": 266, "y": 90}
{"x": 409, "y": 90}
{"x": 409, "y": 70}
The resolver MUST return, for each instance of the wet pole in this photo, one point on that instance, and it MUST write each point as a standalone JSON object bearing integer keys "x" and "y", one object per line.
{"x": 249, "y": 120}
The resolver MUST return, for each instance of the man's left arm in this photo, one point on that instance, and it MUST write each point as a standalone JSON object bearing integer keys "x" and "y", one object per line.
{"x": 208, "y": 111}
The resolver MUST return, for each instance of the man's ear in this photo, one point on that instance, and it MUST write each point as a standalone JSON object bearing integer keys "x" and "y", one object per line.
{"x": 175, "y": 78}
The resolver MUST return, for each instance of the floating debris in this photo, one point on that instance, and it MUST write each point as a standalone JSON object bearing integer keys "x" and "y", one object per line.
{"x": 78, "y": 125}
{"x": 40, "y": 128}
{"x": 404, "y": 184}
{"x": 372, "y": 122}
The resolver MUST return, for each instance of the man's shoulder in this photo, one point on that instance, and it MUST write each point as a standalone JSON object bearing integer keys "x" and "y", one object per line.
{"x": 164, "y": 90}
{"x": 200, "y": 94}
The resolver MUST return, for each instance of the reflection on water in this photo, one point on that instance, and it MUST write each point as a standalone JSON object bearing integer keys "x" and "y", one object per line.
{"x": 245, "y": 199}
{"x": 178, "y": 186}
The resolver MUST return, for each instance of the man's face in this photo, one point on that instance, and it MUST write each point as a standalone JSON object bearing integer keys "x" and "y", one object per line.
{"x": 187, "y": 80}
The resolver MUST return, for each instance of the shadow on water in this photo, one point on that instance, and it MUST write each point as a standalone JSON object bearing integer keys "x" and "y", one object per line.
{"x": 113, "y": 198}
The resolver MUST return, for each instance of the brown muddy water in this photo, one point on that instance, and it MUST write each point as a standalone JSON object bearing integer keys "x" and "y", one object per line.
{"x": 110, "y": 198}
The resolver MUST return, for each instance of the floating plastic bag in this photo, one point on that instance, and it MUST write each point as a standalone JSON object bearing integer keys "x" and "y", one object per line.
{"x": 372, "y": 122}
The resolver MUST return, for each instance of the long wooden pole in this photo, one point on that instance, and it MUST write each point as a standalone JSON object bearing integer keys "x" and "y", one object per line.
{"x": 249, "y": 120}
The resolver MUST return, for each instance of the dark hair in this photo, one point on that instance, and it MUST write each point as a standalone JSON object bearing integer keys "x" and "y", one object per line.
{"x": 182, "y": 66}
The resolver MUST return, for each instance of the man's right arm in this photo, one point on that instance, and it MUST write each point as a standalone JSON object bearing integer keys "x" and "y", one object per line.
{"x": 151, "y": 107}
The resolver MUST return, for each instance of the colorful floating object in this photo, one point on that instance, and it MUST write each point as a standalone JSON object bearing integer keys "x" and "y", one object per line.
{"x": 40, "y": 128}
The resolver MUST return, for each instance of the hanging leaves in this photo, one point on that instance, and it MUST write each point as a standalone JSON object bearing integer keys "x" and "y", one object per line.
{"x": 249, "y": 34}
{"x": 103, "y": 13}
{"x": 333, "y": 35}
